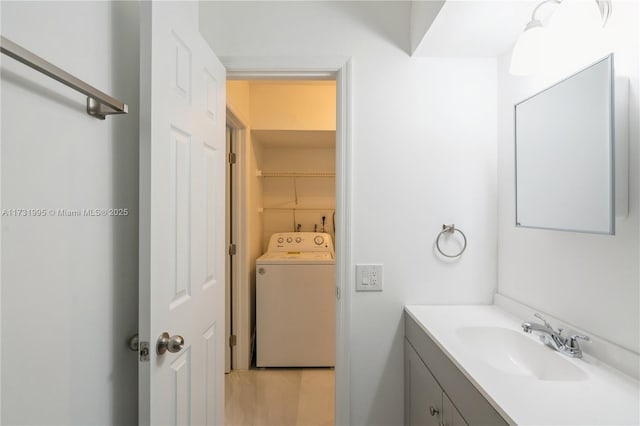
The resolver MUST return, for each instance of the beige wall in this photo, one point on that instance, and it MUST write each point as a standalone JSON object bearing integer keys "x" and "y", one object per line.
{"x": 293, "y": 106}
{"x": 249, "y": 154}
{"x": 311, "y": 197}
{"x": 239, "y": 99}
{"x": 296, "y": 117}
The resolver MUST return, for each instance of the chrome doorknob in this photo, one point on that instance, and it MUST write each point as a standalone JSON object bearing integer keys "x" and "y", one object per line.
{"x": 134, "y": 343}
{"x": 169, "y": 343}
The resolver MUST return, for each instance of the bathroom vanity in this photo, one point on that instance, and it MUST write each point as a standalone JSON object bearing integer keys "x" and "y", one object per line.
{"x": 433, "y": 382}
{"x": 473, "y": 365}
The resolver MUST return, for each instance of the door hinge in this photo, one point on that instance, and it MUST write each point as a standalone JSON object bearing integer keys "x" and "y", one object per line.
{"x": 232, "y": 249}
{"x": 232, "y": 158}
{"x": 232, "y": 340}
{"x": 338, "y": 293}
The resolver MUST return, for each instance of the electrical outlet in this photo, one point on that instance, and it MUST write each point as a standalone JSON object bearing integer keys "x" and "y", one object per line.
{"x": 368, "y": 277}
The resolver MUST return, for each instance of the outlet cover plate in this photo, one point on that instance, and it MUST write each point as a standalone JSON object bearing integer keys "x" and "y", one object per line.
{"x": 369, "y": 277}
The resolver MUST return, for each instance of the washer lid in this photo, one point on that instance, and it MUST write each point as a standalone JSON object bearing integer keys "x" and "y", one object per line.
{"x": 280, "y": 257}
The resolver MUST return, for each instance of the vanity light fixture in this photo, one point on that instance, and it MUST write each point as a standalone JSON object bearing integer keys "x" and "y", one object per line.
{"x": 535, "y": 41}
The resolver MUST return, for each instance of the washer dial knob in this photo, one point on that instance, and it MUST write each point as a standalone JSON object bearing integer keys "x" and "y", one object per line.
{"x": 289, "y": 239}
{"x": 298, "y": 240}
{"x": 280, "y": 240}
{"x": 319, "y": 239}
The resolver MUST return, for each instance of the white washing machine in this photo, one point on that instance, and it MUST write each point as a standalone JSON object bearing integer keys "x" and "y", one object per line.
{"x": 295, "y": 301}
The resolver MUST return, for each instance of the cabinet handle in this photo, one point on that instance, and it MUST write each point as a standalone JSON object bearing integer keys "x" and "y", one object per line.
{"x": 433, "y": 410}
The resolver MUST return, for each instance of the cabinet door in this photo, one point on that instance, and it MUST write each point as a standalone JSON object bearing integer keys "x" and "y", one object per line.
{"x": 450, "y": 415}
{"x": 423, "y": 395}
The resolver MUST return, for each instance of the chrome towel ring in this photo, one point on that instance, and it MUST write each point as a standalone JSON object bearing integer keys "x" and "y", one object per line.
{"x": 450, "y": 229}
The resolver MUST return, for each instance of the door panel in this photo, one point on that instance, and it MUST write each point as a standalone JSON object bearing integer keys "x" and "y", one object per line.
{"x": 211, "y": 374}
{"x": 181, "y": 392}
{"x": 182, "y": 185}
{"x": 210, "y": 237}
{"x": 180, "y": 205}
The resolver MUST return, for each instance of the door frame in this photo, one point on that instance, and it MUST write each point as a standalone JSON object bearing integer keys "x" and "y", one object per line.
{"x": 318, "y": 68}
{"x": 238, "y": 205}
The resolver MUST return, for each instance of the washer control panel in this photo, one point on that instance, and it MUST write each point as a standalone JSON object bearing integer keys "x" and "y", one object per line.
{"x": 301, "y": 241}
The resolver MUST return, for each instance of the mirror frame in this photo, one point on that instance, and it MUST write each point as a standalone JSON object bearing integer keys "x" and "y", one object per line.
{"x": 611, "y": 143}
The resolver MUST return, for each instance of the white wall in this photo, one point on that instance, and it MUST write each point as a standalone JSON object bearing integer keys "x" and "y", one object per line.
{"x": 590, "y": 281}
{"x": 424, "y": 154}
{"x": 69, "y": 284}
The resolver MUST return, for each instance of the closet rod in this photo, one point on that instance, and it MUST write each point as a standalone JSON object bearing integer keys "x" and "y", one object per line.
{"x": 99, "y": 104}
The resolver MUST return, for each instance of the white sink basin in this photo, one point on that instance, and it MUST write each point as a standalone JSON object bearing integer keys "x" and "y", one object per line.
{"x": 514, "y": 353}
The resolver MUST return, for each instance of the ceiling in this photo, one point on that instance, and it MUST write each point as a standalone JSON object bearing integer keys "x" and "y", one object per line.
{"x": 476, "y": 28}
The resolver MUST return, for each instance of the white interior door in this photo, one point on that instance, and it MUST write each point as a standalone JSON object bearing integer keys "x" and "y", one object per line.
{"x": 182, "y": 201}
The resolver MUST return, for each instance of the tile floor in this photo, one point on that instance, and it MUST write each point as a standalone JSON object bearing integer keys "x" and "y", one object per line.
{"x": 280, "y": 396}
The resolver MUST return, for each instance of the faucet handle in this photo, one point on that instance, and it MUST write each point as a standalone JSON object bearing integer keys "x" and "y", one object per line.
{"x": 573, "y": 348}
{"x": 573, "y": 339}
{"x": 546, "y": 323}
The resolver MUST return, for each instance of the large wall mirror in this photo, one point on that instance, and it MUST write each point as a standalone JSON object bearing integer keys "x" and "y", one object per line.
{"x": 564, "y": 154}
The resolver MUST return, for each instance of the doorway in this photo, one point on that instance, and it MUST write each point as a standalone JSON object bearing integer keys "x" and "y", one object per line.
{"x": 281, "y": 138}
{"x": 338, "y": 68}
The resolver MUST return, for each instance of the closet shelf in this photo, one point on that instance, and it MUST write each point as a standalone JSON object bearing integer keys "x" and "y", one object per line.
{"x": 264, "y": 173}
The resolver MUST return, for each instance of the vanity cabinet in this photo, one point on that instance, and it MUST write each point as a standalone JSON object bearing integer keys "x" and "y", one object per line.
{"x": 425, "y": 402}
{"x": 451, "y": 416}
{"x": 436, "y": 392}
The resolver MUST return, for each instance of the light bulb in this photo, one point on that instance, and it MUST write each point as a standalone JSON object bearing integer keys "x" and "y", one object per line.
{"x": 576, "y": 29}
{"x": 576, "y": 16}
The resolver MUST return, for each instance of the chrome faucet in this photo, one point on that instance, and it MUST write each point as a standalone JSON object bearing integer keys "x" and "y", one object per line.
{"x": 566, "y": 345}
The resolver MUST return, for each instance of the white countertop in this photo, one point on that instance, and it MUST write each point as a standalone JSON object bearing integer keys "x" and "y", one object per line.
{"x": 605, "y": 397}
